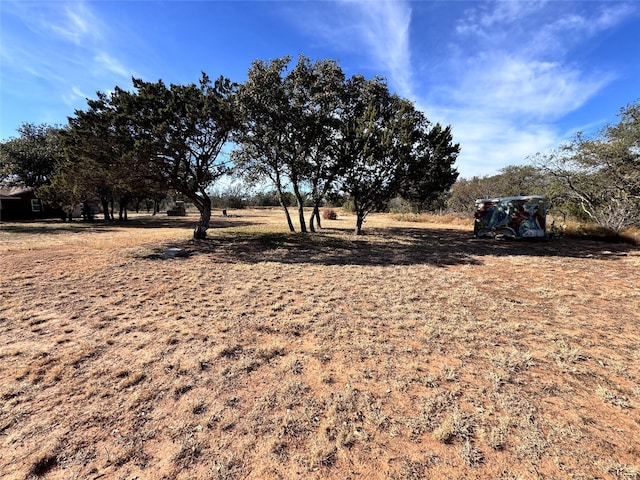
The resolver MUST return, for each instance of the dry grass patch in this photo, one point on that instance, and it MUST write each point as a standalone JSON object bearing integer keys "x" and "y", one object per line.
{"x": 413, "y": 351}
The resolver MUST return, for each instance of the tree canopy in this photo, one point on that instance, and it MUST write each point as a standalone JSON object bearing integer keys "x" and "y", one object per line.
{"x": 155, "y": 138}
{"x": 304, "y": 127}
{"x": 31, "y": 158}
{"x": 600, "y": 176}
{"x": 179, "y": 133}
{"x": 388, "y": 148}
{"x": 317, "y": 132}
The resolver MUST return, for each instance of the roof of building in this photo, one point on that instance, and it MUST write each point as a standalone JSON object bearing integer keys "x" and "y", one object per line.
{"x": 11, "y": 192}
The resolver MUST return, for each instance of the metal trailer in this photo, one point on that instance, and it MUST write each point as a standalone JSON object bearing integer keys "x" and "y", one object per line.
{"x": 511, "y": 217}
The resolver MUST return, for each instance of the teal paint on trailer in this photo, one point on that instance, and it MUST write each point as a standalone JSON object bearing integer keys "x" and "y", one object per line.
{"x": 513, "y": 217}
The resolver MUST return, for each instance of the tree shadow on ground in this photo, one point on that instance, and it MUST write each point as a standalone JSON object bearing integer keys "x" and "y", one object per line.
{"x": 391, "y": 246}
{"x": 55, "y": 226}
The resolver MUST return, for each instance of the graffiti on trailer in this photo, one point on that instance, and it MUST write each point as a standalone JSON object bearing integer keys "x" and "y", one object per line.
{"x": 514, "y": 217}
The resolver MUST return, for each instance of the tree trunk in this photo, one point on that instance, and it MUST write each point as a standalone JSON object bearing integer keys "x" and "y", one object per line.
{"x": 300, "y": 204}
{"x": 360, "y": 216}
{"x": 359, "y": 222}
{"x": 303, "y": 222}
{"x": 288, "y": 216}
{"x": 105, "y": 209}
{"x": 312, "y": 228}
{"x": 286, "y": 210}
{"x": 315, "y": 216}
{"x": 204, "y": 207}
{"x": 122, "y": 212}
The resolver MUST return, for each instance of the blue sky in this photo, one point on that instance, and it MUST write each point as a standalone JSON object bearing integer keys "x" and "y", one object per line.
{"x": 512, "y": 78}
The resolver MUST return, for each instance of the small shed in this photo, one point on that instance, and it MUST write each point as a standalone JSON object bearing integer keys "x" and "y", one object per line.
{"x": 512, "y": 217}
{"x": 178, "y": 210}
{"x": 87, "y": 209}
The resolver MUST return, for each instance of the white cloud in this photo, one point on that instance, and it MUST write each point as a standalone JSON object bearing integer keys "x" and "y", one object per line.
{"x": 514, "y": 87}
{"x": 378, "y": 31}
{"x": 27, "y": 60}
{"x": 490, "y": 20}
{"x": 490, "y": 143}
{"x": 509, "y": 81}
{"x": 73, "y": 22}
{"x": 70, "y": 50}
{"x": 111, "y": 64}
{"x": 568, "y": 30}
{"x": 384, "y": 26}
{"x": 610, "y": 15}
{"x": 74, "y": 96}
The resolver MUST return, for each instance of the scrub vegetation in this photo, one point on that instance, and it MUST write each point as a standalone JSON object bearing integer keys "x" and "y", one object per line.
{"x": 411, "y": 351}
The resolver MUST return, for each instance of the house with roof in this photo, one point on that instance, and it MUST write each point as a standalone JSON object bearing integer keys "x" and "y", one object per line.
{"x": 21, "y": 203}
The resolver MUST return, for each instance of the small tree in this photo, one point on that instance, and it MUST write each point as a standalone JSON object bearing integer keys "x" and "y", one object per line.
{"x": 430, "y": 170}
{"x": 601, "y": 175}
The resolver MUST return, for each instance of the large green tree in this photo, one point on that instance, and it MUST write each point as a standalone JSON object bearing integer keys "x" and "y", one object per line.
{"x": 374, "y": 144}
{"x": 31, "y": 158}
{"x": 265, "y": 113}
{"x": 178, "y": 134}
{"x": 288, "y": 129}
{"x": 430, "y": 171}
{"x": 389, "y": 148}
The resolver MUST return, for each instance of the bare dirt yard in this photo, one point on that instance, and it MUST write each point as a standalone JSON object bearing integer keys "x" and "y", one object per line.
{"x": 413, "y": 351}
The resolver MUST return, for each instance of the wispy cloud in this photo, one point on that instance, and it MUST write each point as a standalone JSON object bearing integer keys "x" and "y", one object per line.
{"x": 384, "y": 28}
{"x": 76, "y": 23}
{"x": 113, "y": 65}
{"x": 483, "y": 19}
{"x": 526, "y": 73}
{"x": 490, "y": 142}
{"x": 509, "y": 80}
{"x": 70, "y": 49}
{"x": 378, "y": 31}
{"x": 507, "y": 85}
{"x": 73, "y": 96}
{"x": 72, "y": 22}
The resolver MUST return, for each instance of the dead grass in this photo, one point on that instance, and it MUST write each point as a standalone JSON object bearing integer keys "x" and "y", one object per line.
{"x": 458, "y": 220}
{"x": 413, "y": 351}
{"x": 629, "y": 235}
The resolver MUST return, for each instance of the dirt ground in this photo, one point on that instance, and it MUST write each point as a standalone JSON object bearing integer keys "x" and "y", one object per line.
{"x": 413, "y": 351}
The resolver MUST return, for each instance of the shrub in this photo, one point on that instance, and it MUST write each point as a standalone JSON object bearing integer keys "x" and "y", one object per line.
{"x": 349, "y": 206}
{"x": 399, "y": 205}
{"x": 329, "y": 214}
